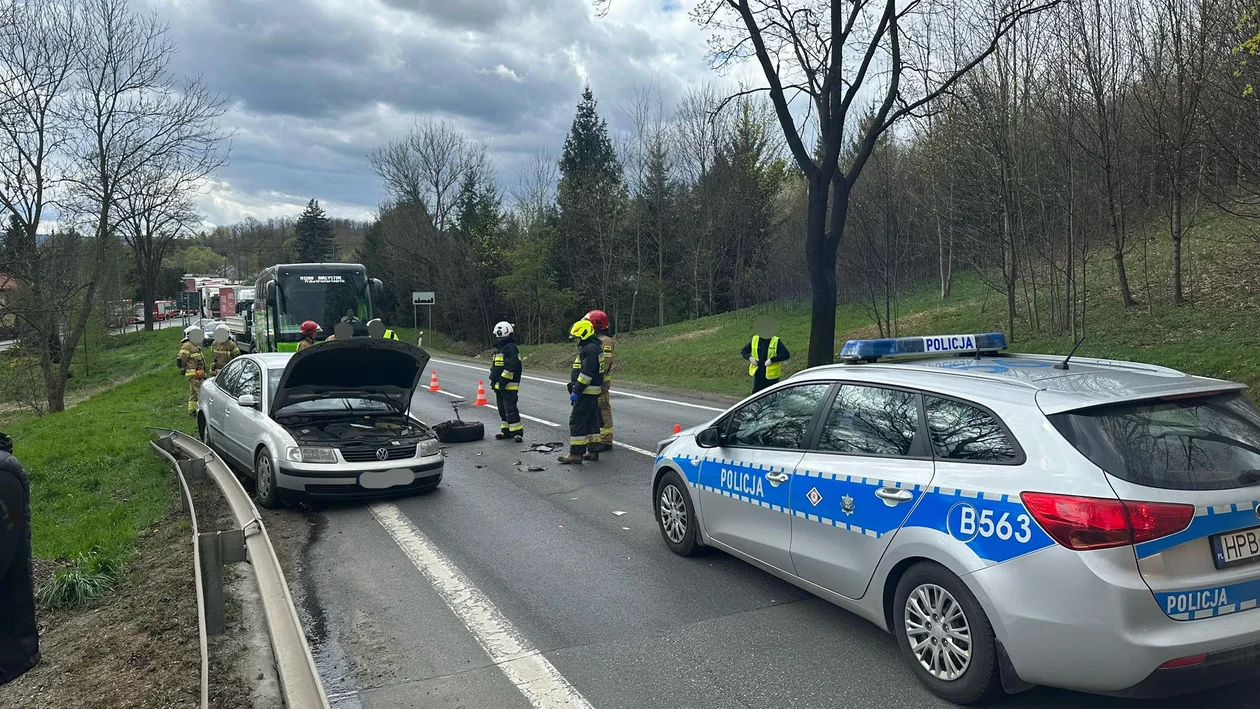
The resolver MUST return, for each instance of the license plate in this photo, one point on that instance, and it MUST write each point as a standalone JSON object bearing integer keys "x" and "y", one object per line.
{"x": 1236, "y": 548}
{"x": 386, "y": 479}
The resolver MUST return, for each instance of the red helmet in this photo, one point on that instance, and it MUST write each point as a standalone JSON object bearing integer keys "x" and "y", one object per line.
{"x": 309, "y": 328}
{"x": 599, "y": 319}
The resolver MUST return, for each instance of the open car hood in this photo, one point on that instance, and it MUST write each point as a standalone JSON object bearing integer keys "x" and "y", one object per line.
{"x": 366, "y": 368}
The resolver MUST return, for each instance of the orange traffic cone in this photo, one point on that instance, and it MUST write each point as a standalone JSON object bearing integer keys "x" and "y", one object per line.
{"x": 677, "y": 428}
{"x": 481, "y": 394}
{"x": 433, "y": 385}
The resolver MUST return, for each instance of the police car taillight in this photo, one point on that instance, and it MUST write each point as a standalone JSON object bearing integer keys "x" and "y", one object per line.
{"x": 1083, "y": 523}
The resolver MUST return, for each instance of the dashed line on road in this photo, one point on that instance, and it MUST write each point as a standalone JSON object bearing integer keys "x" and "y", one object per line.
{"x": 525, "y": 666}
{"x": 613, "y": 392}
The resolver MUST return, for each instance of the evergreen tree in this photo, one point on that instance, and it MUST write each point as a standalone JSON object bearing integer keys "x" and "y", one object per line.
{"x": 591, "y": 199}
{"x": 314, "y": 234}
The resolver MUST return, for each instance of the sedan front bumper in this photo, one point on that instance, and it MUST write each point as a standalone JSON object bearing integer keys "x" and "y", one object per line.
{"x": 295, "y": 485}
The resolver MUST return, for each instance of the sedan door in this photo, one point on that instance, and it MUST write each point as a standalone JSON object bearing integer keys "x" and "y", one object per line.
{"x": 745, "y": 482}
{"x": 220, "y": 393}
{"x": 854, "y": 489}
{"x": 241, "y": 423}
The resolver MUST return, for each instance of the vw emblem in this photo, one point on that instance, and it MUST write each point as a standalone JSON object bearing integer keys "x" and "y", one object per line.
{"x": 382, "y": 454}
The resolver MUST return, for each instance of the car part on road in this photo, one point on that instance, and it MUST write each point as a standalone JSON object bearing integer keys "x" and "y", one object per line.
{"x": 459, "y": 431}
{"x": 295, "y": 667}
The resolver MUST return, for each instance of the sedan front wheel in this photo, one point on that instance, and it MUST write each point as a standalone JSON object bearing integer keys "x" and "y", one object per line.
{"x": 265, "y": 492}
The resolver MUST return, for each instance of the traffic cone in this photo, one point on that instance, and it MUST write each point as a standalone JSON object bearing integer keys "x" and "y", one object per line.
{"x": 677, "y": 428}
{"x": 433, "y": 385}
{"x": 481, "y": 394}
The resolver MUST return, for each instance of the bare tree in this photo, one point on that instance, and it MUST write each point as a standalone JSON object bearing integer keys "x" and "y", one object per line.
{"x": 428, "y": 165}
{"x": 835, "y": 55}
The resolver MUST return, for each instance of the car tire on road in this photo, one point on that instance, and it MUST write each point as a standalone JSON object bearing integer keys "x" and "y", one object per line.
{"x": 674, "y": 514}
{"x": 265, "y": 492}
{"x": 933, "y": 609}
{"x": 460, "y": 431}
{"x": 203, "y": 431}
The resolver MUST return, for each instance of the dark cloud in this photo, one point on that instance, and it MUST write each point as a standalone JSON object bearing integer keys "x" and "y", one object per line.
{"x": 315, "y": 84}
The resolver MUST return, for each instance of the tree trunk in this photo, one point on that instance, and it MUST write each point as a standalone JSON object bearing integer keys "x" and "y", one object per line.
{"x": 1178, "y": 293}
{"x": 820, "y": 255}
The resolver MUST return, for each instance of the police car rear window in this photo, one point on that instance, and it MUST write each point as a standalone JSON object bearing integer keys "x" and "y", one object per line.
{"x": 961, "y": 431}
{"x": 1198, "y": 443}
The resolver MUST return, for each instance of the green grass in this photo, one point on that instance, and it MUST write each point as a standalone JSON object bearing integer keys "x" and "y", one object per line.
{"x": 95, "y": 483}
{"x": 1217, "y": 336}
{"x": 87, "y": 577}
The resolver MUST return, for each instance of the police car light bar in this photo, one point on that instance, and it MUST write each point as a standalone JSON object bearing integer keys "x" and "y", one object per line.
{"x": 871, "y": 350}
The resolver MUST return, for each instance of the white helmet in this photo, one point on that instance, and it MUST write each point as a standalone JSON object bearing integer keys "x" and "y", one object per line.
{"x": 189, "y": 330}
{"x": 503, "y": 329}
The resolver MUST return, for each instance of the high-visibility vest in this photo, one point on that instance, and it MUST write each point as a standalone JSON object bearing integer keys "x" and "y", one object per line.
{"x": 390, "y": 335}
{"x": 773, "y": 369}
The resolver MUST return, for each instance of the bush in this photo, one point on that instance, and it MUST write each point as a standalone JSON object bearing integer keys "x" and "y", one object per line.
{"x": 88, "y": 577}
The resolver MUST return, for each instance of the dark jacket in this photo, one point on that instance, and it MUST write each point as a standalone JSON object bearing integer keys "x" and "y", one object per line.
{"x": 505, "y": 372}
{"x": 19, "y": 635}
{"x": 587, "y": 377}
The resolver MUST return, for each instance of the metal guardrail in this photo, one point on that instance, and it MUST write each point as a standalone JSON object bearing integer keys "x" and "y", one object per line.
{"x": 295, "y": 667}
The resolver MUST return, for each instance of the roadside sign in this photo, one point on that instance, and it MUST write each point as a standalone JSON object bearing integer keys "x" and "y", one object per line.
{"x": 422, "y": 297}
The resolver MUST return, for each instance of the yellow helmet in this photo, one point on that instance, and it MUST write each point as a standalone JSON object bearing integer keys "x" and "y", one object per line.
{"x": 582, "y": 329}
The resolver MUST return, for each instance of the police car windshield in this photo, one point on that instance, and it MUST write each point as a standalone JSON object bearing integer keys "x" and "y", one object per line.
{"x": 1200, "y": 443}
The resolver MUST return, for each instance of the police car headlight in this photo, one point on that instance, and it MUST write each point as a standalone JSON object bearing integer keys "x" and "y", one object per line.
{"x": 309, "y": 454}
{"x": 429, "y": 446}
{"x": 665, "y": 444}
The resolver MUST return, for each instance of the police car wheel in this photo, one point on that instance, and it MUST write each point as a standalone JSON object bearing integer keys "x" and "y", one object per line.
{"x": 265, "y": 492}
{"x": 675, "y": 515}
{"x": 945, "y": 635}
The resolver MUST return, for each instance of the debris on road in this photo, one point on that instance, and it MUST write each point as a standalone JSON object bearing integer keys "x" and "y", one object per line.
{"x": 618, "y": 512}
{"x": 543, "y": 448}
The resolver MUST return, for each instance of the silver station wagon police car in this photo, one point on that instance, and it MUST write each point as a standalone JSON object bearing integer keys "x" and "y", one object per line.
{"x": 1014, "y": 520}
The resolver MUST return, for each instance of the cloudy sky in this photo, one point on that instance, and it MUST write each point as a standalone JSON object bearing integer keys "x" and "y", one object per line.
{"x": 315, "y": 84}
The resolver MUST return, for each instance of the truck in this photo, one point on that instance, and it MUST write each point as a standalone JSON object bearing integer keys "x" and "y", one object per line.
{"x": 286, "y": 295}
{"x": 236, "y": 310}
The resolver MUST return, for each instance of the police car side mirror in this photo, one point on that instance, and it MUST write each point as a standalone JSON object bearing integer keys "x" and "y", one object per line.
{"x": 709, "y": 438}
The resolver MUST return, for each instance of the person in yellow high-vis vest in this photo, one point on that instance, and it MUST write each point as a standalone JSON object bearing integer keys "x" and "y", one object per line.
{"x": 192, "y": 364}
{"x": 765, "y": 353}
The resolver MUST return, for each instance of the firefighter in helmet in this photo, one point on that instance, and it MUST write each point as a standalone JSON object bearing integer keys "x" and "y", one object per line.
{"x": 223, "y": 350}
{"x": 192, "y": 363}
{"x": 599, "y": 319}
{"x": 308, "y": 330}
{"x": 585, "y": 384}
{"x": 505, "y": 380}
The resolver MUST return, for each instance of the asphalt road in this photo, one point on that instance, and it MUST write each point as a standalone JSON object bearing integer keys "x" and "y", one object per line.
{"x": 552, "y": 588}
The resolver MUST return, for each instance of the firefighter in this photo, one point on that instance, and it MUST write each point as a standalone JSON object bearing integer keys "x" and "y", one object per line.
{"x": 765, "y": 354}
{"x": 223, "y": 350}
{"x": 585, "y": 384}
{"x": 599, "y": 319}
{"x": 19, "y": 631}
{"x": 505, "y": 380}
{"x": 192, "y": 363}
{"x": 308, "y": 330}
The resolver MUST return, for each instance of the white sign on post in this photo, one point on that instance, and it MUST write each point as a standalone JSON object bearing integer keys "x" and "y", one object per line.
{"x": 422, "y": 297}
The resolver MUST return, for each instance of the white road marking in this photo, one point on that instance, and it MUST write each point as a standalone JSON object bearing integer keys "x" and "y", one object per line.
{"x": 525, "y": 667}
{"x": 613, "y": 392}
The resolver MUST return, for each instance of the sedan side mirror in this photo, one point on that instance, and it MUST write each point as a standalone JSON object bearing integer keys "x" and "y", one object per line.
{"x": 709, "y": 438}
{"x": 248, "y": 401}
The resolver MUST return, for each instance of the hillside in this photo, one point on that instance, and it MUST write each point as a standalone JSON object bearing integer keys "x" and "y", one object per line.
{"x": 1218, "y": 335}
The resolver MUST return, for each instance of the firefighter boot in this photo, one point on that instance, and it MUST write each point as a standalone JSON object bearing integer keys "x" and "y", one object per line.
{"x": 571, "y": 459}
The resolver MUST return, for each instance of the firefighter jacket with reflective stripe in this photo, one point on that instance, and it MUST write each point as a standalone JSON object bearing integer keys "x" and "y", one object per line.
{"x": 191, "y": 362}
{"x": 222, "y": 353}
{"x": 505, "y": 372}
{"x": 607, "y": 344}
{"x": 587, "y": 376}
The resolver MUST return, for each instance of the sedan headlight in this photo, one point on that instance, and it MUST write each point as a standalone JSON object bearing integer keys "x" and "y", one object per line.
{"x": 309, "y": 454}
{"x": 429, "y": 446}
{"x": 665, "y": 444}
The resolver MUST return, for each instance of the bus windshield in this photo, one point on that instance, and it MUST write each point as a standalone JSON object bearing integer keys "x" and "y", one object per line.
{"x": 327, "y": 298}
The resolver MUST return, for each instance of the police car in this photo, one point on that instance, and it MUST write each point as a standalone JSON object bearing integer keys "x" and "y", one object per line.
{"x": 1014, "y": 520}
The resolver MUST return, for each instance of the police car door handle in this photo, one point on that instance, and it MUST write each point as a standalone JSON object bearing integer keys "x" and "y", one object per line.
{"x": 893, "y": 496}
{"x": 777, "y": 478}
